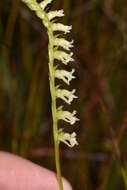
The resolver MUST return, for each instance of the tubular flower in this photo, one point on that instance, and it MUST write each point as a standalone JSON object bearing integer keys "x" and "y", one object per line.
{"x": 63, "y": 56}
{"x": 68, "y": 139}
{"x": 66, "y": 116}
{"x": 66, "y": 95}
{"x": 55, "y": 53}
{"x": 61, "y": 28}
{"x": 64, "y": 75}
{"x": 63, "y": 43}
{"x": 54, "y": 14}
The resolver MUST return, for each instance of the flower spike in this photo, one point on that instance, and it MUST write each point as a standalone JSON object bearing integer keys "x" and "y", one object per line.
{"x": 55, "y": 53}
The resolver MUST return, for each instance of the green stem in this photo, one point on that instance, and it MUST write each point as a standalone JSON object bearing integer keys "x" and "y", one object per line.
{"x": 58, "y": 168}
{"x": 54, "y": 109}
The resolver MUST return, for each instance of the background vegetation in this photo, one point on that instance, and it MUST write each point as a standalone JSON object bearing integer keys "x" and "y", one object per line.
{"x": 100, "y": 34}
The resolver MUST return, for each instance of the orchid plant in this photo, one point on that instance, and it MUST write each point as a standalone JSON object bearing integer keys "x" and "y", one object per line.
{"x": 56, "y": 43}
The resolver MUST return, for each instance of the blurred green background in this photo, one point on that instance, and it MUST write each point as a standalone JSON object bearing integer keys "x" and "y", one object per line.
{"x": 100, "y": 51}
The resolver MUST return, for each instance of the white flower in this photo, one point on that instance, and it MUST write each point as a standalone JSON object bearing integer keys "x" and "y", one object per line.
{"x": 64, "y": 75}
{"x": 54, "y": 14}
{"x": 65, "y": 95}
{"x": 68, "y": 139}
{"x": 32, "y": 4}
{"x": 63, "y": 43}
{"x": 61, "y": 27}
{"x": 67, "y": 116}
{"x": 44, "y": 3}
{"x": 63, "y": 56}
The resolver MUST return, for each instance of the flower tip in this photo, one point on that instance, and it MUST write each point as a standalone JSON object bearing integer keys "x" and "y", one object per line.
{"x": 69, "y": 29}
{"x": 62, "y": 12}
